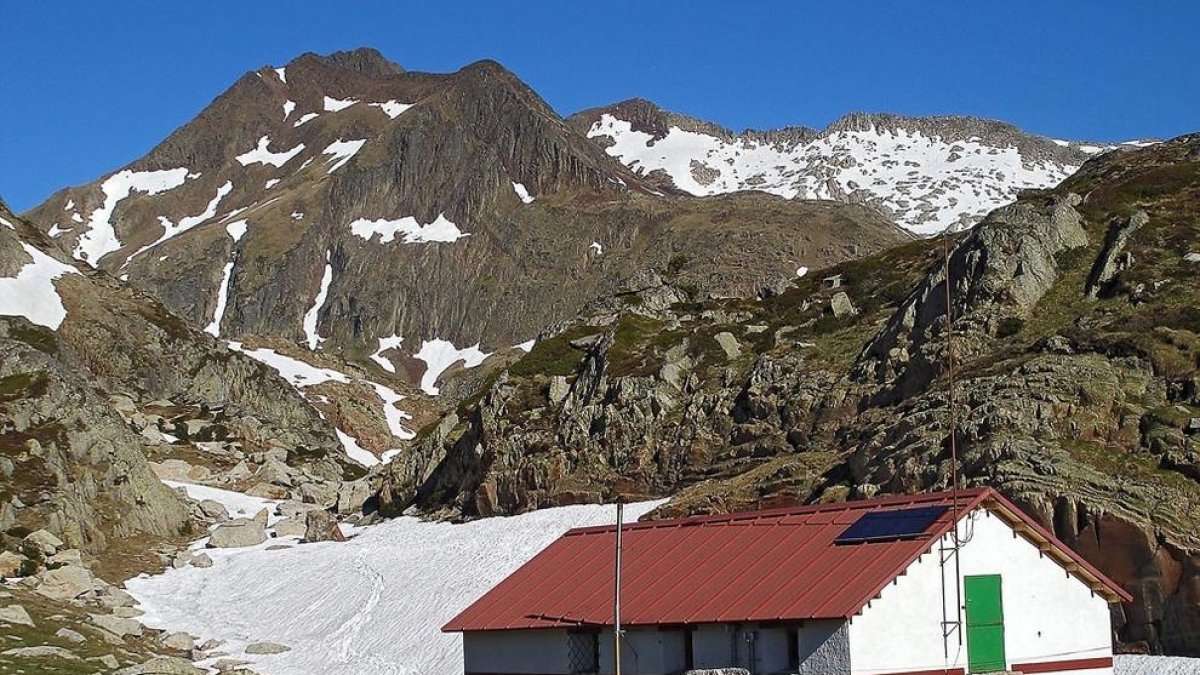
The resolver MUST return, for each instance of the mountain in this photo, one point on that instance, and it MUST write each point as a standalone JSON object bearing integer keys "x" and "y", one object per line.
{"x": 928, "y": 173}
{"x": 1076, "y": 339}
{"x": 404, "y": 221}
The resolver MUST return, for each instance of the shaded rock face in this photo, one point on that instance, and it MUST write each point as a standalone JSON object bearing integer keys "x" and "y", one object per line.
{"x": 1080, "y": 410}
{"x": 79, "y": 471}
{"x": 264, "y": 233}
{"x": 76, "y": 402}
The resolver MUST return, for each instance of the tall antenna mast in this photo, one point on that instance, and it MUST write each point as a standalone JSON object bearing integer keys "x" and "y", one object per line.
{"x": 617, "y": 595}
{"x": 950, "y": 374}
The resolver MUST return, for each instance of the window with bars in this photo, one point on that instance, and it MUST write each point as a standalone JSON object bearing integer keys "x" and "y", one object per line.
{"x": 583, "y": 651}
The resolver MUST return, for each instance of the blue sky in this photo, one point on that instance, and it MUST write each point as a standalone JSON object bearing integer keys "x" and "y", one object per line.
{"x": 86, "y": 87}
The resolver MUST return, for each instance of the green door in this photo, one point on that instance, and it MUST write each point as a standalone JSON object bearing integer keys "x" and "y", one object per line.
{"x": 985, "y": 623}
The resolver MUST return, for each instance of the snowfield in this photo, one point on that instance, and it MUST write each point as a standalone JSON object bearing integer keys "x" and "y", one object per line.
{"x": 375, "y": 604}
{"x": 31, "y": 293}
{"x": 261, "y": 155}
{"x": 99, "y": 237}
{"x": 372, "y": 605}
{"x": 442, "y": 229}
{"x": 926, "y": 182}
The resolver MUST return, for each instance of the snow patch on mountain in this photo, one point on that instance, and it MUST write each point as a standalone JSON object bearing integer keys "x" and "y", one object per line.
{"x": 237, "y": 504}
{"x": 597, "y": 247}
{"x": 305, "y": 118}
{"x": 282, "y": 73}
{"x": 100, "y": 238}
{"x": 262, "y": 155}
{"x": 31, "y": 293}
{"x": 522, "y": 193}
{"x": 925, "y": 182}
{"x": 394, "y": 416}
{"x": 526, "y": 346}
{"x": 439, "y": 355}
{"x": 355, "y": 451}
{"x": 311, "y": 337}
{"x": 392, "y": 109}
{"x": 386, "y": 343}
{"x": 214, "y": 326}
{"x": 295, "y": 371}
{"x": 440, "y": 230}
{"x": 55, "y": 230}
{"x": 334, "y": 105}
{"x": 373, "y": 604}
{"x": 288, "y": 107}
{"x": 236, "y": 230}
{"x": 7, "y": 224}
{"x": 342, "y": 151}
{"x": 186, "y": 223}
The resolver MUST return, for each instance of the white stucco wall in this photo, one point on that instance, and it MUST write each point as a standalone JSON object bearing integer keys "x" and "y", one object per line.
{"x": 1049, "y": 615}
{"x": 516, "y": 651}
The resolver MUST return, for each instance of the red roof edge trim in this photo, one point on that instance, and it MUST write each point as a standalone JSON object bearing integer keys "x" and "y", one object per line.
{"x": 1008, "y": 508}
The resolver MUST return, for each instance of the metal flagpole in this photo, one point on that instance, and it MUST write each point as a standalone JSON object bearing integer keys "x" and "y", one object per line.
{"x": 617, "y": 596}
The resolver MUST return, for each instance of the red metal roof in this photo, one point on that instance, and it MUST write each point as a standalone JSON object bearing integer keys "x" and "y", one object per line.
{"x": 775, "y": 565}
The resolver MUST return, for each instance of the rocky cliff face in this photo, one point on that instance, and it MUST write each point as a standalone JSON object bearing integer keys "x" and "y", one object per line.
{"x": 345, "y": 205}
{"x": 97, "y": 378}
{"x": 1083, "y": 407}
{"x": 927, "y": 173}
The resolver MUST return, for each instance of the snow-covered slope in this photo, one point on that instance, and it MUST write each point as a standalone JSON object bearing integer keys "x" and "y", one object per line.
{"x": 927, "y": 173}
{"x": 374, "y": 604}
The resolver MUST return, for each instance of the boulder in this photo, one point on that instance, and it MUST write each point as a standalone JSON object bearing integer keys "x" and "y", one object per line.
{"x": 267, "y": 491}
{"x": 262, "y": 517}
{"x": 70, "y": 556}
{"x": 291, "y": 527}
{"x": 729, "y": 344}
{"x": 40, "y": 652}
{"x": 11, "y": 564}
{"x": 112, "y": 596}
{"x": 162, "y": 665}
{"x": 15, "y": 614}
{"x": 238, "y": 533}
{"x": 179, "y": 470}
{"x": 322, "y": 526}
{"x": 107, "y": 660}
{"x": 116, "y": 625}
{"x": 182, "y": 559}
{"x": 70, "y": 636}
{"x": 352, "y": 495}
{"x": 43, "y": 541}
{"x": 293, "y": 509}
{"x": 65, "y": 583}
{"x": 841, "y": 306}
{"x": 559, "y": 388}
{"x": 266, "y": 648}
{"x": 320, "y": 494}
{"x": 202, "y": 561}
{"x": 214, "y": 510}
{"x": 276, "y": 473}
{"x": 181, "y": 642}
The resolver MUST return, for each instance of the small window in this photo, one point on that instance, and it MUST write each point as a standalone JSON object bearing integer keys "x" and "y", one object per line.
{"x": 583, "y": 651}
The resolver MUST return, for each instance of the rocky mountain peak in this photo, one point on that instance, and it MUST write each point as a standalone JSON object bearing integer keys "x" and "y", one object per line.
{"x": 364, "y": 60}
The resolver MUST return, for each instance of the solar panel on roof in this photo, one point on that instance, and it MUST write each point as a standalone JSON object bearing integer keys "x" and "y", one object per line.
{"x": 890, "y": 525}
